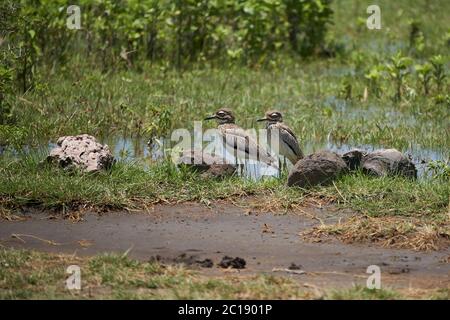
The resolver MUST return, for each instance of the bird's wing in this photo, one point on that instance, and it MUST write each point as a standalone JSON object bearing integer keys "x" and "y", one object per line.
{"x": 288, "y": 136}
{"x": 238, "y": 137}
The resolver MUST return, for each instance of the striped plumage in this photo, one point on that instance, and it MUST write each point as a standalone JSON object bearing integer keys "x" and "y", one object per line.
{"x": 237, "y": 141}
{"x": 288, "y": 143}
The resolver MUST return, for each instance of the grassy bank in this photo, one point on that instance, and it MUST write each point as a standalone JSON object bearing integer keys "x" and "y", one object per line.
{"x": 27, "y": 182}
{"x": 38, "y": 275}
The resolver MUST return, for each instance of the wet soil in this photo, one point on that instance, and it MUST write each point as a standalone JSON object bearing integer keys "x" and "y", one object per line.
{"x": 200, "y": 237}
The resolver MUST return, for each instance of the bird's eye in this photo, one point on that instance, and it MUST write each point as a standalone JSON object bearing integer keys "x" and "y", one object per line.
{"x": 221, "y": 113}
{"x": 274, "y": 115}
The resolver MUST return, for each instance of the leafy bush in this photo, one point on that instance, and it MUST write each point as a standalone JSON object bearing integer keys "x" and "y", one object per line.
{"x": 174, "y": 32}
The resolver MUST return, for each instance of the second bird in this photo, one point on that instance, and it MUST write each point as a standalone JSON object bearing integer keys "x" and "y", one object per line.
{"x": 288, "y": 143}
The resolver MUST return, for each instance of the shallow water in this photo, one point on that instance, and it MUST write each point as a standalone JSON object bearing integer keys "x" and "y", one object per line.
{"x": 129, "y": 149}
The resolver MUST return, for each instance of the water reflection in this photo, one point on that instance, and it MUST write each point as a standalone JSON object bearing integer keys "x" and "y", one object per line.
{"x": 128, "y": 149}
{"x": 150, "y": 152}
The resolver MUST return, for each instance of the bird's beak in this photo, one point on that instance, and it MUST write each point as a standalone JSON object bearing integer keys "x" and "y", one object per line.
{"x": 262, "y": 119}
{"x": 211, "y": 117}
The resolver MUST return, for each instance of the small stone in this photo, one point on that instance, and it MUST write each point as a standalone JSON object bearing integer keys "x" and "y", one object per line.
{"x": 235, "y": 263}
{"x": 353, "y": 158}
{"x": 207, "y": 263}
{"x": 294, "y": 266}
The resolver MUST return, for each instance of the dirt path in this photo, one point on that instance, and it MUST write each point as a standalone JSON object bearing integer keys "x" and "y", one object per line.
{"x": 191, "y": 232}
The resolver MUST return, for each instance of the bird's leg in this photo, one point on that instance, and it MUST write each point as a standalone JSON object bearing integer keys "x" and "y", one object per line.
{"x": 280, "y": 171}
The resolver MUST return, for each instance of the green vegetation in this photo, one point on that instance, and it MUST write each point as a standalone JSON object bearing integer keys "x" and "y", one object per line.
{"x": 122, "y": 34}
{"x": 32, "y": 275}
{"x": 25, "y": 181}
{"x": 86, "y": 85}
{"x": 338, "y": 83}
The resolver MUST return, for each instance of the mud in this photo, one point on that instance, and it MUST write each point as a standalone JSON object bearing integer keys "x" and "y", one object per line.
{"x": 230, "y": 262}
{"x": 200, "y": 237}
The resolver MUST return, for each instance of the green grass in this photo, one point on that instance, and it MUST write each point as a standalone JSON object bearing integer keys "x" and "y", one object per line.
{"x": 393, "y": 196}
{"x": 25, "y": 181}
{"x": 33, "y": 275}
{"x": 131, "y": 104}
{"x": 362, "y": 293}
{"x": 79, "y": 98}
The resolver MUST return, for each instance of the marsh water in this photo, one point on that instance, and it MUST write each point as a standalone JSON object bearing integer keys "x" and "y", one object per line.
{"x": 142, "y": 150}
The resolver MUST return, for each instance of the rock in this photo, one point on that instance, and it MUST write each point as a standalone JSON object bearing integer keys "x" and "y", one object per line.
{"x": 318, "y": 168}
{"x": 207, "y": 263}
{"x": 235, "y": 263}
{"x": 353, "y": 158}
{"x": 219, "y": 171}
{"x": 294, "y": 266}
{"x": 198, "y": 160}
{"x": 83, "y": 152}
{"x": 388, "y": 162}
{"x": 210, "y": 166}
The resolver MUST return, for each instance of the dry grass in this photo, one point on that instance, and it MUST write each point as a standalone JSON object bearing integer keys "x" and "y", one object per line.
{"x": 396, "y": 232}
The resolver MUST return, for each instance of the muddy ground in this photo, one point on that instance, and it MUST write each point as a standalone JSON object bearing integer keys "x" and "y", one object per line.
{"x": 269, "y": 243}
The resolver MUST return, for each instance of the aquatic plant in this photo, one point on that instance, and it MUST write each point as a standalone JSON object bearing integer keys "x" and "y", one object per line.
{"x": 438, "y": 71}
{"x": 398, "y": 70}
{"x": 424, "y": 72}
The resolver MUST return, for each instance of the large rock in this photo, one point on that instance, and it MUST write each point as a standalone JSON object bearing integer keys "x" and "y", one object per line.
{"x": 210, "y": 166}
{"x": 388, "y": 162}
{"x": 318, "y": 168}
{"x": 82, "y": 152}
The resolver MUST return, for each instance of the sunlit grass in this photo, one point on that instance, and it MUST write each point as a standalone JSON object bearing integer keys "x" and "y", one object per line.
{"x": 27, "y": 180}
{"x": 33, "y": 275}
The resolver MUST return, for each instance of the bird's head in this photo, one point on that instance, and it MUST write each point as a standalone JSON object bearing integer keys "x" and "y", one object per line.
{"x": 272, "y": 116}
{"x": 222, "y": 116}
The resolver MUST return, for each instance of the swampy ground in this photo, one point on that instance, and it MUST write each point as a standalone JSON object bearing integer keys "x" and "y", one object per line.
{"x": 112, "y": 223}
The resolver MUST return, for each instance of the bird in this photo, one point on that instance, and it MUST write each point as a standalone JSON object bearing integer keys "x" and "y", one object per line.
{"x": 237, "y": 139}
{"x": 288, "y": 143}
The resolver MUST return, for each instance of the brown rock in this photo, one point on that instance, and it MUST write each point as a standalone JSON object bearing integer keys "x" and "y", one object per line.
{"x": 210, "y": 166}
{"x": 318, "y": 168}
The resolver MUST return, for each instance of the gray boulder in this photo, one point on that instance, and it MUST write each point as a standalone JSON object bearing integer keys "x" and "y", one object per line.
{"x": 388, "y": 162}
{"x": 318, "y": 168}
{"x": 83, "y": 152}
{"x": 208, "y": 165}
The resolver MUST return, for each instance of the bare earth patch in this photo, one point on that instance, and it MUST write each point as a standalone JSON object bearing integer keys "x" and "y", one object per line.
{"x": 198, "y": 237}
